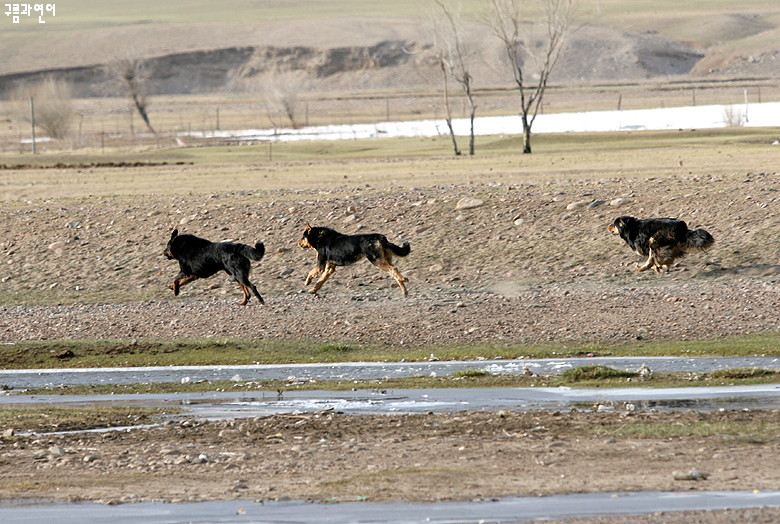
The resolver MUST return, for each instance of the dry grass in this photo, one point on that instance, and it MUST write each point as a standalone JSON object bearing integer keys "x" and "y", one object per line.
{"x": 381, "y": 163}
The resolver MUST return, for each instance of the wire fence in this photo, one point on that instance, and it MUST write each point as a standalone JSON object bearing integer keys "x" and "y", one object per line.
{"x": 107, "y": 124}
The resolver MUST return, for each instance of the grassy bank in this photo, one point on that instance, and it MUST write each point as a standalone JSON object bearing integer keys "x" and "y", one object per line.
{"x": 131, "y": 353}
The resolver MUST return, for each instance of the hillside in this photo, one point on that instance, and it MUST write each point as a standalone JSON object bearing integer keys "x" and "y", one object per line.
{"x": 369, "y": 51}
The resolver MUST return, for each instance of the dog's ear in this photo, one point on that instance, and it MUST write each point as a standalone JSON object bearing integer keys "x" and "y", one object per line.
{"x": 308, "y": 227}
{"x": 174, "y": 234}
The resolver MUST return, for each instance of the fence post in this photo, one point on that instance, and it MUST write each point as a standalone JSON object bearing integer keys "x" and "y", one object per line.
{"x": 32, "y": 124}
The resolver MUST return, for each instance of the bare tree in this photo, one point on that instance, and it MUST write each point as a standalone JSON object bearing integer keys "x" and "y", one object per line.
{"x": 452, "y": 59}
{"x": 441, "y": 60}
{"x": 281, "y": 90}
{"x": 131, "y": 74}
{"x": 279, "y": 86}
{"x": 53, "y": 101}
{"x": 505, "y": 19}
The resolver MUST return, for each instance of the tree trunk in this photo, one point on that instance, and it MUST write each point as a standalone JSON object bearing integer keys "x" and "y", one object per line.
{"x": 471, "y": 138}
{"x": 141, "y": 107}
{"x": 448, "y": 109}
{"x": 526, "y": 136}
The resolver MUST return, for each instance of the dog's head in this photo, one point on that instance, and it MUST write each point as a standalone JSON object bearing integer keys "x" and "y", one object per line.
{"x": 168, "y": 252}
{"x": 621, "y": 224}
{"x": 309, "y": 238}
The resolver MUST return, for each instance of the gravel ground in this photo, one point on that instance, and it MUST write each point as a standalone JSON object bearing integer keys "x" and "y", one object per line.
{"x": 527, "y": 263}
{"x": 428, "y": 457}
{"x": 531, "y": 314}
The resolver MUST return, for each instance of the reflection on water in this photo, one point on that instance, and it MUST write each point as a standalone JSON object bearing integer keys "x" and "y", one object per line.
{"x": 510, "y": 509}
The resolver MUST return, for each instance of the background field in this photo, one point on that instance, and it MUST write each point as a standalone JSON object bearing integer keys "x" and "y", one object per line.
{"x": 646, "y": 54}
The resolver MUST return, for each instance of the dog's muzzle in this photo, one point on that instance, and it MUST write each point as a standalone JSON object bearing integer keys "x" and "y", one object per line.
{"x": 304, "y": 243}
{"x": 612, "y": 229}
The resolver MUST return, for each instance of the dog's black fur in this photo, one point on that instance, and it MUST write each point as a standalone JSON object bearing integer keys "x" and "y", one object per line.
{"x": 661, "y": 240}
{"x": 335, "y": 249}
{"x": 201, "y": 258}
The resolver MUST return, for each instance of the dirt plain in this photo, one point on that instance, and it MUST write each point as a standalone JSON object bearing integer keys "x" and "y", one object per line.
{"x": 332, "y": 457}
{"x": 532, "y": 262}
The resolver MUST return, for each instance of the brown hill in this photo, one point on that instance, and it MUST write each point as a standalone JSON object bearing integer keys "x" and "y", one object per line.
{"x": 356, "y": 54}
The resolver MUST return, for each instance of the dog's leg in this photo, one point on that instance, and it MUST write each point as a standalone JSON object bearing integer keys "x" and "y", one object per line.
{"x": 248, "y": 287}
{"x": 650, "y": 262}
{"x": 390, "y": 268}
{"x": 329, "y": 269}
{"x": 313, "y": 273}
{"x": 179, "y": 282}
{"x": 255, "y": 293}
{"x": 245, "y": 291}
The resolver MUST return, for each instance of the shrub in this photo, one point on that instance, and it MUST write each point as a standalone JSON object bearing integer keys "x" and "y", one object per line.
{"x": 53, "y": 102}
{"x": 595, "y": 372}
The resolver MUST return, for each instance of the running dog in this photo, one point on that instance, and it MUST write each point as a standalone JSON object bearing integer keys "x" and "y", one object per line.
{"x": 661, "y": 240}
{"x": 335, "y": 249}
{"x": 201, "y": 258}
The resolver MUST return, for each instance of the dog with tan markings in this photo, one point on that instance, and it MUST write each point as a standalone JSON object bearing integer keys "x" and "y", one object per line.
{"x": 661, "y": 240}
{"x": 201, "y": 258}
{"x": 335, "y": 249}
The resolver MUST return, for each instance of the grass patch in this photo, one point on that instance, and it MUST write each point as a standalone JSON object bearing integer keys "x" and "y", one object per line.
{"x": 237, "y": 351}
{"x": 743, "y": 373}
{"x": 339, "y": 349}
{"x": 46, "y": 418}
{"x": 595, "y": 372}
{"x": 471, "y": 373}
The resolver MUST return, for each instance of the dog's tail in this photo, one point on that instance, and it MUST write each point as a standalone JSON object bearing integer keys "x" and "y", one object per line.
{"x": 699, "y": 239}
{"x": 254, "y": 253}
{"x": 400, "y": 251}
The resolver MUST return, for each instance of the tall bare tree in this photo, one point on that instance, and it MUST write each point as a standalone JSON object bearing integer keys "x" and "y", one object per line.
{"x": 453, "y": 60}
{"x": 440, "y": 59}
{"x": 504, "y": 17}
{"x": 131, "y": 74}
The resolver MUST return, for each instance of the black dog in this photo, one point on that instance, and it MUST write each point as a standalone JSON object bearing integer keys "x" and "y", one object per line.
{"x": 661, "y": 240}
{"x": 335, "y": 249}
{"x": 200, "y": 258}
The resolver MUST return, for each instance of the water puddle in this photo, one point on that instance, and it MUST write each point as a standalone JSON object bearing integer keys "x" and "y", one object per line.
{"x": 31, "y": 378}
{"x": 516, "y": 509}
{"x": 227, "y": 405}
